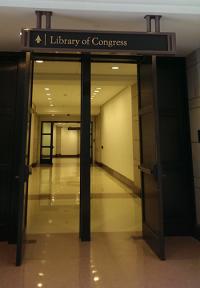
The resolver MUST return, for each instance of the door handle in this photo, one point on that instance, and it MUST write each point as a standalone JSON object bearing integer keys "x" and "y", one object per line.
{"x": 30, "y": 170}
{"x": 150, "y": 171}
{"x": 145, "y": 169}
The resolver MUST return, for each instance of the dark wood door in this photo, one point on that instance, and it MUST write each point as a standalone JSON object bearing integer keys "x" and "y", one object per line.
{"x": 23, "y": 145}
{"x": 46, "y": 144}
{"x": 8, "y": 102}
{"x": 150, "y": 158}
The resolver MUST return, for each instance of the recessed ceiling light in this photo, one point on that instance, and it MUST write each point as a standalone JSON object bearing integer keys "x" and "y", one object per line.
{"x": 115, "y": 67}
{"x": 51, "y": 105}
{"x": 20, "y": 34}
{"x": 96, "y": 279}
{"x": 48, "y": 94}
{"x": 49, "y": 98}
{"x": 47, "y": 89}
{"x": 39, "y": 61}
{"x": 96, "y": 91}
{"x": 99, "y": 88}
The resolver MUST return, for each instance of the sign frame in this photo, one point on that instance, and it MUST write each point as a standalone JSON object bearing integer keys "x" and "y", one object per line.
{"x": 170, "y": 38}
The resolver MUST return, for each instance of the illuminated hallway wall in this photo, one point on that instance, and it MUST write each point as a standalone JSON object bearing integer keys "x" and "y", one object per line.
{"x": 114, "y": 134}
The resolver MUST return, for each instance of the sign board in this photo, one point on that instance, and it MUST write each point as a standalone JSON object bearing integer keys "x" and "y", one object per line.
{"x": 88, "y": 41}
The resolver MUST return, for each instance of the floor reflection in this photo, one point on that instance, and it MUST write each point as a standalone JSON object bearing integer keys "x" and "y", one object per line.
{"x": 53, "y": 205}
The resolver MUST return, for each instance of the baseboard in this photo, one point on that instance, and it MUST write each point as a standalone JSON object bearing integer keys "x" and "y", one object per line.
{"x": 120, "y": 177}
{"x": 66, "y": 156}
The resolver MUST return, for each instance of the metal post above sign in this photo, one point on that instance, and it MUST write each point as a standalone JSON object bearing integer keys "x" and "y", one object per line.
{"x": 133, "y": 43}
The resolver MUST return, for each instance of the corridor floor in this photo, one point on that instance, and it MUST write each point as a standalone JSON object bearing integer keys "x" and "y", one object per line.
{"x": 53, "y": 205}
{"x": 116, "y": 257}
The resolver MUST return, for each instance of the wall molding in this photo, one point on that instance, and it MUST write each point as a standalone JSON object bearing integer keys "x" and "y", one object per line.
{"x": 129, "y": 183}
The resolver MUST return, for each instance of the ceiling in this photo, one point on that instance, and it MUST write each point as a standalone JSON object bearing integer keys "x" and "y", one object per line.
{"x": 57, "y": 85}
{"x": 180, "y": 16}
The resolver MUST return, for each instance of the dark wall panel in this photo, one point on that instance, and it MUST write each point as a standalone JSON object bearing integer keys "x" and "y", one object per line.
{"x": 178, "y": 192}
{"x": 8, "y": 95}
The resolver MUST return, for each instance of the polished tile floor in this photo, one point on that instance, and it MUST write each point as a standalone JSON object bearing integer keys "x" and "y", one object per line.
{"x": 53, "y": 205}
{"x": 116, "y": 257}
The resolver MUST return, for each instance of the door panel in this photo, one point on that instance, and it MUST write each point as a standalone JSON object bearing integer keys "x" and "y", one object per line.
{"x": 150, "y": 160}
{"x": 85, "y": 156}
{"x": 8, "y": 84}
{"x": 22, "y": 144}
{"x": 46, "y": 144}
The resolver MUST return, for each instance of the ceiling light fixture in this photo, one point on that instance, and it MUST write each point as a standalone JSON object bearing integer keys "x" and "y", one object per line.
{"x": 48, "y": 94}
{"x": 96, "y": 279}
{"x": 39, "y": 61}
{"x": 99, "y": 88}
{"x": 115, "y": 67}
{"x": 47, "y": 89}
{"x": 96, "y": 91}
{"x": 51, "y": 105}
{"x": 49, "y": 98}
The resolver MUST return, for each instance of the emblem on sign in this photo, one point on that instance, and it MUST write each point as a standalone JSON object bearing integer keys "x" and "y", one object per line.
{"x": 38, "y": 40}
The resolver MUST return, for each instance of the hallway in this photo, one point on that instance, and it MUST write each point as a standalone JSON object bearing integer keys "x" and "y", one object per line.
{"x": 53, "y": 205}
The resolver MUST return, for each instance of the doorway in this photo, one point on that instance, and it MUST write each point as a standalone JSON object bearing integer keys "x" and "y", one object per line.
{"x": 54, "y": 186}
{"x": 52, "y": 132}
{"x": 152, "y": 80}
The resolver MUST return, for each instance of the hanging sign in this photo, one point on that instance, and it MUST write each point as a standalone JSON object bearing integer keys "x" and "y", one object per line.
{"x": 128, "y": 42}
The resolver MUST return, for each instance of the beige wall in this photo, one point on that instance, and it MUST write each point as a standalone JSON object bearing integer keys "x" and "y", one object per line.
{"x": 58, "y": 141}
{"x": 114, "y": 128}
{"x": 54, "y": 140}
{"x": 69, "y": 142}
{"x": 97, "y": 133}
{"x": 34, "y": 137}
{"x": 136, "y": 137}
{"x": 193, "y": 71}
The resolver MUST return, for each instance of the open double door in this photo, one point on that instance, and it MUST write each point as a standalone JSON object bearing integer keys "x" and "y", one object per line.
{"x": 150, "y": 166}
{"x": 164, "y": 172}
